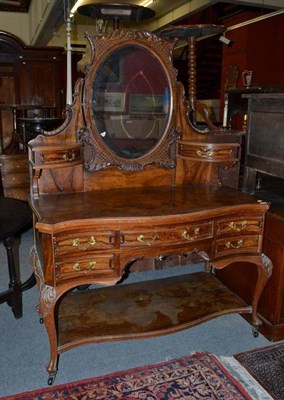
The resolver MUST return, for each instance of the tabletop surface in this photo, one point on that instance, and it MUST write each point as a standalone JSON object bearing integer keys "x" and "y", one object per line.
{"x": 124, "y": 205}
{"x": 15, "y": 216}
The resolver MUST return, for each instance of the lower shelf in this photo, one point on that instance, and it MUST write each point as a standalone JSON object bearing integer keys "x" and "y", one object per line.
{"x": 149, "y": 308}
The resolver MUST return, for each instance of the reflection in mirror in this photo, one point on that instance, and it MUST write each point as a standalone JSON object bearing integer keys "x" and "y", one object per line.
{"x": 131, "y": 101}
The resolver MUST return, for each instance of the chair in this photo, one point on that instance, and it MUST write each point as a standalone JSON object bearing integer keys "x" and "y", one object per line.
{"x": 15, "y": 218}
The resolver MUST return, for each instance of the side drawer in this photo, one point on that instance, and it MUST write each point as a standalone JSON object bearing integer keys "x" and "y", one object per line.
{"x": 86, "y": 266}
{"x": 236, "y": 245}
{"x": 244, "y": 225}
{"x": 56, "y": 156}
{"x": 209, "y": 151}
{"x": 82, "y": 242}
{"x": 163, "y": 237}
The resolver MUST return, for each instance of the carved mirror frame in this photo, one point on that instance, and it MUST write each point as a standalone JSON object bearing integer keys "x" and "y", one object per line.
{"x": 98, "y": 154}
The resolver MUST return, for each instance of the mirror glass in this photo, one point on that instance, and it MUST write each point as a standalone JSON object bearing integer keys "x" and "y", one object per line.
{"x": 131, "y": 101}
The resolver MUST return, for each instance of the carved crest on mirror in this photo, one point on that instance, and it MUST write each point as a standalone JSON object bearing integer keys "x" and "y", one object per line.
{"x": 129, "y": 101}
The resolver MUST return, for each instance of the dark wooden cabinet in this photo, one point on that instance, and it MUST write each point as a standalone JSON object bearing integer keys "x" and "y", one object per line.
{"x": 241, "y": 278}
{"x": 14, "y": 171}
{"x": 265, "y": 139}
{"x": 39, "y": 80}
{"x": 238, "y": 101}
{"x": 264, "y": 176}
{"x": 30, "y": 83}
{"x": 271, "y": 306}
{"x": 29, "y": 88}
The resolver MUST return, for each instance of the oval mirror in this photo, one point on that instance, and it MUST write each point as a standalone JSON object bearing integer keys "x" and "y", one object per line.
{"x": 131, "y": 101}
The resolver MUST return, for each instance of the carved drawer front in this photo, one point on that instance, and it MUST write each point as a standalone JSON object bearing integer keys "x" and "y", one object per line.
{"x": 207, "y": 151}
{"x": 251, "y": 225}
{"x": 237, "y": 244}
{"x": 156, "y": 237}
{"x": 82, "y": 243}
{"x": 57, "y": 156}
{"x": 90, "y": 266}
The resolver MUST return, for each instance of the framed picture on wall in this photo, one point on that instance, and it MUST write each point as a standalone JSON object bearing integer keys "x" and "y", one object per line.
{"x": 144, "y": 104}
{"x": 110, "y": 102}
{"x": 111, "y": 72}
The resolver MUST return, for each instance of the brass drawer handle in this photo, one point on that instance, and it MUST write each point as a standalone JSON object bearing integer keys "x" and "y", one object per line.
{"x": 233, "y": 225}
{"x": 238, "y": 245}
{"x": 69, "y": 156}
{"x": 92, "y": 266}
{"x": 141, "y": 239}
{"x": 187, "y": 236}
{"x": 77, "y": 267}
{"x": 76, "y": 242}
{"x": 92, "y": 241}
{"x": 204, "y": 153}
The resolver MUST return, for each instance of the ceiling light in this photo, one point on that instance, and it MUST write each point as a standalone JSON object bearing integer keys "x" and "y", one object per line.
{"x": 11, "y": 2}
{"x": 74, "y": 8}
{"x": 115, "y": 10}
{"x": 147, "y": 3}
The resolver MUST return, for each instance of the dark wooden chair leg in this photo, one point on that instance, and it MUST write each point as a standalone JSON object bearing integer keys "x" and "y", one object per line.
{"x": 29, "y": 283}
{"x": 15, "y": 298}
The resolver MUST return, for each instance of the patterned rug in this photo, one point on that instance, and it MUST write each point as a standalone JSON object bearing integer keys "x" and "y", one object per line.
{"x": 266, "y": 365}
{"x": 199, "y": 376}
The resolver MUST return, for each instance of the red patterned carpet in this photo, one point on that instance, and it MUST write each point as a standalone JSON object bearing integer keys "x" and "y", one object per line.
{"x": 266, "y": 365}
{"x": 199, "y": 376}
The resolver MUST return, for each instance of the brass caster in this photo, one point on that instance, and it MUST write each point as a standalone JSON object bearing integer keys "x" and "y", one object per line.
{"x": 50, "y": 380}
{"x": 255, "y": 332}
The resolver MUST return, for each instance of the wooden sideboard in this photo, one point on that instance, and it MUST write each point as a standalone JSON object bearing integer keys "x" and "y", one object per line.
{"x": 265, "y": 139}
{"x": 15, "y": 179}
{"x": 271, "y": 306}
{"x": 101, "y": 201}
{"x": 239, "y": 278}
{"x": 30, "y": 84}
{"x": 238, "y": 100}
{"x": 264, "y": 176}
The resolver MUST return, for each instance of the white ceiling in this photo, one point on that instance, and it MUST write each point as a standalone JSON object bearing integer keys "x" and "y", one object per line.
{"x": 167, "y": 12}
{"x": 162, "y": 7}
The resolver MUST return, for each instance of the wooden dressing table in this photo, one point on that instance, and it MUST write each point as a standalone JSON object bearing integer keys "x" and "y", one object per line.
{"x": 103, "y": 200}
